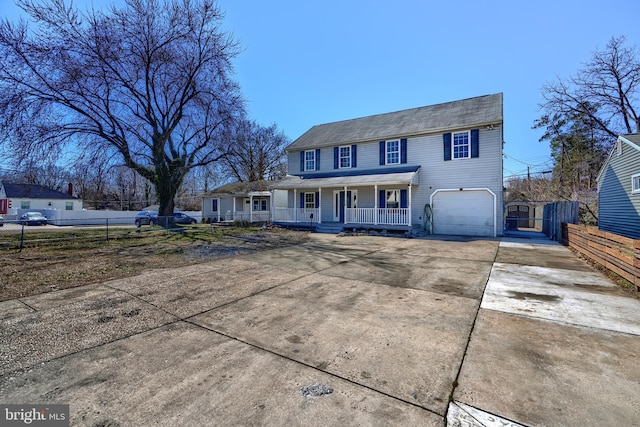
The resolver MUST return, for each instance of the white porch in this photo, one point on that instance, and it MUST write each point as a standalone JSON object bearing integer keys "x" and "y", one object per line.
{"x": 382, "y": 199}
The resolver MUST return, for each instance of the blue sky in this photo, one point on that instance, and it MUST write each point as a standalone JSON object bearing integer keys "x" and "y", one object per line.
{"x": 310, "y": 62}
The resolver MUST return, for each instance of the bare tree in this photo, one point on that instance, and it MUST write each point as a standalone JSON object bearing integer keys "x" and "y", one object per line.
{"x": 255, "y": 152}
{"x": 606, "y": 90}
{"x": 149, "y": 82}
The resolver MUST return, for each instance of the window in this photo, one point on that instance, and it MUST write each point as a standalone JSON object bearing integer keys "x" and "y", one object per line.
{"x": 25, "y": 204}
{"x": 260, "y": 204}
{"x": 69, "y": 206}
{"x": 310, "y": 160}
{"x": 461, "y": 145}
{"x": 393, "y": 199}
{"x": 393, "y": 152}
{"x": 309, "y": 200}
{"x": 345, "y": 157}
{"x": 635, "y": 184}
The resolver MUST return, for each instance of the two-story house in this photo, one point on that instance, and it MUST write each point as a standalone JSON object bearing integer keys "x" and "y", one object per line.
{"x": 436, "y": 169}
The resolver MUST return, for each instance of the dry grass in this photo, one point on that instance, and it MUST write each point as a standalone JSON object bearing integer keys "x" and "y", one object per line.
{"x": 55, "y": 260}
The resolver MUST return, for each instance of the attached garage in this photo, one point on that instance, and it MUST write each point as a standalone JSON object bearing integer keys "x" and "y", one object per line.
{"x": 465, "y": 212}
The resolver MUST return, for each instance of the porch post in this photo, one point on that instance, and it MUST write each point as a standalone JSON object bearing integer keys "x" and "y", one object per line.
{"x": 409, "y": 216}
{"x": 250, "y": 207}
{"x": 375, "y": 204}
{"x": 319, "y": 205}
{"x": 295, "y": 205}
{"x": 345, "y": 204}
{"x": 234, "y": 207}
{"x": 271, "y": 209}
{"x": 219, "y": 208}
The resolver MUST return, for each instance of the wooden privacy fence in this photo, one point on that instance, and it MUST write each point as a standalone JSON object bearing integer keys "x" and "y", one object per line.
{"x": 616, "y": 253}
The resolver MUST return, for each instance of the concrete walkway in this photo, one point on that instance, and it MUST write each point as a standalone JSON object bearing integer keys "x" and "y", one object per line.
{"x": 338, "y": 331}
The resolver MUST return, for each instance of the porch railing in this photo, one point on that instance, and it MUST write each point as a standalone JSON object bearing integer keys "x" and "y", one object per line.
{"x": 382, "y": 216}
{"x": 296, "y": 214}
{"x": 255, "y": 216}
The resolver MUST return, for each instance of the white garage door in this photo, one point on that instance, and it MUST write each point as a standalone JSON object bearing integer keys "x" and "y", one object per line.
{"x": 464, "y": 213}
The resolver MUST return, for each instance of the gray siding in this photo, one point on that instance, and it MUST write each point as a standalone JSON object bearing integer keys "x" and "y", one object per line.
{"x": 618, "y": 209}
{"x": 435, "y": 173}
{"x": 484, "y": 171}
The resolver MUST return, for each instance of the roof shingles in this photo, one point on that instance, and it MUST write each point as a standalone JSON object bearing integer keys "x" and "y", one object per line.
{"x": 34, "y": 191}
{"x": 482, "y": 110}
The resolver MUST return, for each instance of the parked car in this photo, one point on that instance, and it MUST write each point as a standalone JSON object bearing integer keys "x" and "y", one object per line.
{"x": 181, "y": 218}
{"x": 146, "y": 218}
{"x": 33, "y": 218}
{"x": 1, "y": 220}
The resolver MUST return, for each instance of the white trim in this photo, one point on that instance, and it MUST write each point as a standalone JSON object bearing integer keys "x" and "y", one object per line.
{"x": 313, "y": 202}
{"x": 635, "y": 189}
{"x": 340, "y": 157}
{"x": 613, "y": 150}
{"x": 304, "y": 166}
{"x": 453, "y": 138}
{"x": 386, "y": 152}
{"x": 495, "y": 201}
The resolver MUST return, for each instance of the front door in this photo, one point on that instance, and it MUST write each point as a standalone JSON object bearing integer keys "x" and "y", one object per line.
{"x": 339, "y": 203}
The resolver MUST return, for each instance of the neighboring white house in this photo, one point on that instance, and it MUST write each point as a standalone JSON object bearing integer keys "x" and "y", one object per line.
{"x": 17, "y": 198}
{"x": 619, "y": 188}
{"x": 436, "y": 168}
{"x": 246, "y": 201}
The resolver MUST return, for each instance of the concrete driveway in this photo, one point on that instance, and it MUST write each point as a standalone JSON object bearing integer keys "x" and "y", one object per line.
{"x": 339, "y": 331}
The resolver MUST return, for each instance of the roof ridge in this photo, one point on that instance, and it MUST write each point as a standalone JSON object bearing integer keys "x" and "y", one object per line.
{"x": 409, "y": 109}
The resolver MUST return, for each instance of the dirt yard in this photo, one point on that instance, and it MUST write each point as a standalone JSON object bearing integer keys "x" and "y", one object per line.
{"x": 48, "y": 264}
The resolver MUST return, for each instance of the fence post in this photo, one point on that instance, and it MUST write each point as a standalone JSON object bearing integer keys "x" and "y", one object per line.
{"x": 107, "y": 219}
{"x": 22, "y": 238}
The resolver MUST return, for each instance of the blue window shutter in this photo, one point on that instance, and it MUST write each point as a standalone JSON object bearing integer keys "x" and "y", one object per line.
{"x": 317, "y": 199}
{"x": 475, "y": 142}
{"x": 382, "y": 198}
{"x": 317, "y": 159}
{"x": 302, "y": 161}
{"x": 335, "y": 157}
{"x": 301, "y": 200}
{"x": 403, "y": 150}
{"x": 446, "y": 138}
{"x": 354, "y": 156}
{"x": 382, "y": 154}
{"x": 403, "y": 199}
{"x": 214, "y": 205}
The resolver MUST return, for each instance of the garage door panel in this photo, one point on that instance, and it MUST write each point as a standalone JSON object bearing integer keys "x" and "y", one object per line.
{"x": 467, "y": 213}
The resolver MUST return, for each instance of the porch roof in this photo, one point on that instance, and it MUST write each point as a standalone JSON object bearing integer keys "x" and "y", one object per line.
{"x": 399, "y": 176}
